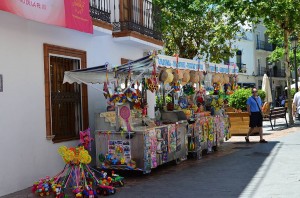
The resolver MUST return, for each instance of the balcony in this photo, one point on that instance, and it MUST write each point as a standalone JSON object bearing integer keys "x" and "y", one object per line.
{"x": 137, "y": 19}
{"x": 132, "y": 22}
{"x": 261, "y": 71}
{"x": 242, "y": 67}
{"x": 263, "y": 45}
{"x": 100, "y": 11}
{"x": 280, "y": 73}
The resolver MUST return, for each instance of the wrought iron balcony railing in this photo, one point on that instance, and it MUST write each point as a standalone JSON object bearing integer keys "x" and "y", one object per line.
{"x": 137, "y": 15}
{"x": 271, "y": 72}
{"x": 100, "y": 10}
{"x": 263, "y": 45}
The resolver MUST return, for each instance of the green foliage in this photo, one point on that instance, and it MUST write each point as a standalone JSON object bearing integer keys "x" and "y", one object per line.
{"x": 192, "y": 26}
{"x": 278, "y": 54}
{"x": 159, "y": 101}
{"x": 239, "y": 98}
{"x": 293, "y": 92}
{"x": 281, "y": 18}
{"x": 262, "y": 94}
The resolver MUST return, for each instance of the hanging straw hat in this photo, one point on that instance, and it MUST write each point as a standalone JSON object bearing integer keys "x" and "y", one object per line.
{"x": 215, "y": 78}
{"x": 175, "y": 76}
{"x": 166, "y": 75}
{"x": 180, "y": 74}
{"x": 186, "y": 77}
{"x": 163, "y": 75}
{"x": 169, "y": 76}
{"x": 226, "y": 79}
{"x": 194, "y": 77}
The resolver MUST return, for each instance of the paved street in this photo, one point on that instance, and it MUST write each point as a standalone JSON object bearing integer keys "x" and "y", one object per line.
{"x": 237, "y": 169}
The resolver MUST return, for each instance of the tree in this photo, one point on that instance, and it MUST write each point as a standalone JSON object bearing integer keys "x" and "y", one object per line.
{"x": 278, "y": 55}
{"x": 196, "y": 26}
{"x": 281, "y": 18}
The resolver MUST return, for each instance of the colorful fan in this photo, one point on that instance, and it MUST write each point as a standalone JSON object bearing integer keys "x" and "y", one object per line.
{"x": 125, "y": 114}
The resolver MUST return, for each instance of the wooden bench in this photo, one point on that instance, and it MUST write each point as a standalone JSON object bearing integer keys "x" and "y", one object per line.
{"x": 278, "y": 112}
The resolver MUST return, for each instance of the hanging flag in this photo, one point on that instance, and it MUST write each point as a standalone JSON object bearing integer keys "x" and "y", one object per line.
{"x": 73, "y": 14}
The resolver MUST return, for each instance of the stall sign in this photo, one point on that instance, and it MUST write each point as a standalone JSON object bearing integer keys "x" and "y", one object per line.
{"x": 170, "y": 62}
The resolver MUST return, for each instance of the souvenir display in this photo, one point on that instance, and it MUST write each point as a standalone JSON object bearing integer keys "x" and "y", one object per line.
{"x": 77, "y": 177}
{"x": 188, "y": 97}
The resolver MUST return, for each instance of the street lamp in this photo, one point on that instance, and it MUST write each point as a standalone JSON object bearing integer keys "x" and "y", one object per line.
{"x": 294, "y": 44}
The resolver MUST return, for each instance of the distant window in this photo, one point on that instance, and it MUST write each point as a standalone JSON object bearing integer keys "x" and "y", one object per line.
{"x": 239, "y": 59}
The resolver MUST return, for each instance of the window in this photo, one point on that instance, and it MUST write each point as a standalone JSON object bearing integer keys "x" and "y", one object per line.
{"x": 66, "y": 104}
{"x": 239, "y": 59}
{"x": 259, "y": 84}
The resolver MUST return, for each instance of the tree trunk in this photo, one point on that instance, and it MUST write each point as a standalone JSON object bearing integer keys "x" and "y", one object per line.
{"x": 288, "y": 75}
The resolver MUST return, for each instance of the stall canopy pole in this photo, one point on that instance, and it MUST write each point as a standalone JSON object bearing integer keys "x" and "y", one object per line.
{"x": 137, "y": 78}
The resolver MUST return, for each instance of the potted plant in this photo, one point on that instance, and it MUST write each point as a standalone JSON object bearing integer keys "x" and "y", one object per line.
{"x": 239, "y": 98}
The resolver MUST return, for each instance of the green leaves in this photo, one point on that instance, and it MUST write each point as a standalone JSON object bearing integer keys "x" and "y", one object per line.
{"x": 190, "y": 26}
{"x": 239, "y": 98}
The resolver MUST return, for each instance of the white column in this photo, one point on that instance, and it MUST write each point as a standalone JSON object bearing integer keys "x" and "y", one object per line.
{"x": 151, "y": 104}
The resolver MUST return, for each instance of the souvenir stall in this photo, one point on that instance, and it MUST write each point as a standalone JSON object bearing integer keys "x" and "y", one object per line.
{"x": 158, "y": 110}
{"x": 200, "y": 90}
{"x": 127, "y": 136}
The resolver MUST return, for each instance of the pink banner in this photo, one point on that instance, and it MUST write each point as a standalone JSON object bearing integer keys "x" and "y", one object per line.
{"x": 73, "y": 14}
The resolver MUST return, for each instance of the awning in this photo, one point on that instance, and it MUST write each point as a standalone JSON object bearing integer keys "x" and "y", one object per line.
{"x": 98, "y": 74}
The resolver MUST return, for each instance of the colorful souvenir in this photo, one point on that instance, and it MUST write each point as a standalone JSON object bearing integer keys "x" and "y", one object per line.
{"x": 85, "y": 138}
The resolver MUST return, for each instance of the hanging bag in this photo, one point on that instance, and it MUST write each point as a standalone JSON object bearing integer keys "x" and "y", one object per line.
{"x": 258, "y": 106}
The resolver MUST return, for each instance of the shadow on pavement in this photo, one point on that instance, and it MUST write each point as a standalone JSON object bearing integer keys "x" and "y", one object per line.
{"x": 225, "y": 173}
{"x": 226, "y": 176}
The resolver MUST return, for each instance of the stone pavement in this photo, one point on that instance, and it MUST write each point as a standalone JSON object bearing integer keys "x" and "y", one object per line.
{"x": 237, "y": 169}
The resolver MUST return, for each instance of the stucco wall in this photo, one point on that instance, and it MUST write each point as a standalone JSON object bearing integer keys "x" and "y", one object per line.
{"x": 25, "y": 153}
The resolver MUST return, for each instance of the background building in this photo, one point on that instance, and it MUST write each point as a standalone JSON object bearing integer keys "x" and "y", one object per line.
{"x": 252, "y": 60}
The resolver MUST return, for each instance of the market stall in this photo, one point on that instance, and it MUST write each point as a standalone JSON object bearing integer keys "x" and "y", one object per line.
{"x": 159, "y": 109}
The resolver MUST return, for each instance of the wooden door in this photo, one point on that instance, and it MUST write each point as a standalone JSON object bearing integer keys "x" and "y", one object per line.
{"x": 66, "y": 112}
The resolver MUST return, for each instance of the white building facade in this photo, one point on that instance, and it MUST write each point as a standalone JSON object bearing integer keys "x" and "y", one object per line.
{"x": 252, "y": 58}
{"x": 33, "y": 101}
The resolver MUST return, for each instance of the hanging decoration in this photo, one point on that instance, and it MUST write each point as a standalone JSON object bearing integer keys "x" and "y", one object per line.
{"x": 188, "y": 90}
{"x": 85, "y": 139}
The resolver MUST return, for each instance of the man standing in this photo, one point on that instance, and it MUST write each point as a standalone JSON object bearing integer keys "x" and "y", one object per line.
{"x": 254, "y": 105}
{"x": 296, "y": 105}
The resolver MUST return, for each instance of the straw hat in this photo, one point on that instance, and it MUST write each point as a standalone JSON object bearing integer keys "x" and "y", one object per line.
{"x": 166, "y": 76}
{"x": 226, "y": 79}
{"x": 163, "y": 75}
{"x": 194, "y": 77}
{"x": 186, "y": 77}
{"x": 180, "y": 73}
{"x": 201, "y": 75}
{"x": 175, "y": 76}
{"x": 215, "y": 78}
{"x": 170, "y": 76}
